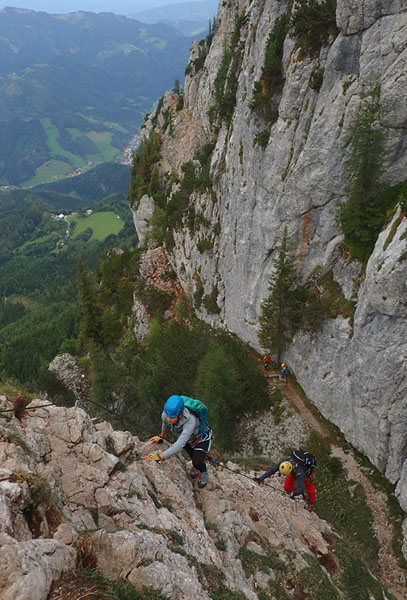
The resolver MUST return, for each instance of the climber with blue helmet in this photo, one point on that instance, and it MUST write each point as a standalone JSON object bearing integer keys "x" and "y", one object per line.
{"x": 191, "y": 435}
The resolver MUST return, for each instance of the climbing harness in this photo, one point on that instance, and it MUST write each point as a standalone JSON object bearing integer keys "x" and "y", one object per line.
{"x": 205, "y": 436}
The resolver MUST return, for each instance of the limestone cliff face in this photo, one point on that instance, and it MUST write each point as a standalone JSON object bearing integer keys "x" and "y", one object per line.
{"x": 355, "y": 373}
{"x": 73, "y": 493}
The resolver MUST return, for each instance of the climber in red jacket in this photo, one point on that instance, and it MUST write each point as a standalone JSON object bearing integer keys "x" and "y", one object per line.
{"x": 298, "y": 470}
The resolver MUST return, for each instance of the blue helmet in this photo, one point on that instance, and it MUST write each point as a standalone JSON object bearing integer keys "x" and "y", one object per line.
{"x": 174, "y": 406}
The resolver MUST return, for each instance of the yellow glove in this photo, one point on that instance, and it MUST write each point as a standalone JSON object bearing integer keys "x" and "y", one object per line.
{"x": 156, "y": 439}
{"x": 154, "y": 456}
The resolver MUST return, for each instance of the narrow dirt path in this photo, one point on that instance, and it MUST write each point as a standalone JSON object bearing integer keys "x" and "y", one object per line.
{"x": 392, "y": 575}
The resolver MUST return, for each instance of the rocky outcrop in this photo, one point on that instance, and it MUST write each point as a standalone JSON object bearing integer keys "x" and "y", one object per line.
{"x": 353, "y": 371}
{"x": 72, "y": 492}
{"x": 155, "y": 272}
{"x": 142, "y": 215}
{"x": 72, "y": 377}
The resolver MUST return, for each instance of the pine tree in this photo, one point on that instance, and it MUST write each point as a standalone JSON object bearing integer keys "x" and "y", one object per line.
{"x": 177, "y": 88}
{"x": 362, "y": 215}
{"x": 280, "y": 311}
{"x": 217, "y": 386}
{"x": 104, "y": 380}
{"x": 91, "y": 321}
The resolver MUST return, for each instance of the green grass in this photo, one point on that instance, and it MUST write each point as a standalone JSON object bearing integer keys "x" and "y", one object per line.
{"x": 253, "y": 562}
{"x": 56, "y": 148}
{"x": 315, "y": 583}
{"x": 351, "y": 516}
{"x": 28, "y": 303}
{"x": 321, "y": 448}
{"x": 41, "y": 239}
{"x": 116, "y": 126}
{"x": 158, "y": 43}
{"x": 87, "y": 117}
{"x": 102, "y": 141}
{"x": 15, "y": 438}
{"x": 48, "y": 172}
{"x": 88, "y": 583}
{"x": 393, "y": 230}
{"x": 11, "y": 387}
{"x": 348, "y": 513}
{"x": 118, "y": 48}
{"x": 396, "y": 513}
{"x": 101, "y": 223}
{"x": 74, "y": 133}
{"x": 255, "y": 463}
{"x": 54, "y": 169}
{"x": 40, "y": 490}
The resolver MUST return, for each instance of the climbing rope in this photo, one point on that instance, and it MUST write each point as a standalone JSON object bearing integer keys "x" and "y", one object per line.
{"x": 112, "y": 412}
{"x": 215, "y": 463}
{"x": 6, "y": 410}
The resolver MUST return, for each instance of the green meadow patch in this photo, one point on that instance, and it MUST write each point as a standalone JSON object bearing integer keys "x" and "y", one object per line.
{"x": 102, "y": 224}
{"x": 74, "y": 133}
{"x": 102, "y": 140}
{"x": 56, "y": 148}
{"x": 48, "y": 172}
{"x": 28, "y": 303}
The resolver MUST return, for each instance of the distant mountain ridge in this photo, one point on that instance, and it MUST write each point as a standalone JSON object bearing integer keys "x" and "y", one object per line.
{"x": 120, "y": 7}
{"x": 74, "y": 89}
{"x": 186, "y": 17}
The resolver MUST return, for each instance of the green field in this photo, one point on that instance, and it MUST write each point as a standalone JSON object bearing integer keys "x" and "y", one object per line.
{"x": 28, "y": 303}
{"x": 116, "y": 126}
{"x": 55, "y": 169}
{"x": 48, "y": 172}
{"x": 102, "y": 224}
{"x": 39, "y": 240}
{"x": 74, "y": 133}
{"x": 56, "y": 148}
{"x": 102, "y": 140}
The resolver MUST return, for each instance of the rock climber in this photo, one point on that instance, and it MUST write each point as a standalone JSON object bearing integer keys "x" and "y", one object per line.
{"x": 190, "y": 433}
{"x": 284, "y": 372}
{"x": 298, "y": 469}
{"x": 266, "y": 360}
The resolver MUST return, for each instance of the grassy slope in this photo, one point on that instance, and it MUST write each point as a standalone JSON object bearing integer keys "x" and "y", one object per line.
{"x": 101, "y": 223}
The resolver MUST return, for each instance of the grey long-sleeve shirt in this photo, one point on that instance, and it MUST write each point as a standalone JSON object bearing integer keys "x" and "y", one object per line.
{"x": 185, "y": 430}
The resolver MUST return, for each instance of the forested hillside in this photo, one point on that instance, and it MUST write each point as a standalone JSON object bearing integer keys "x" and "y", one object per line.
{"x": 40, "y": 250}
{"x": 74, "y": 89}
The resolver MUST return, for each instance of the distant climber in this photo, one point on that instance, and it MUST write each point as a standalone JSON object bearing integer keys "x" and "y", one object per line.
{"x": 284, "y": 372}
{"x": 185, "y": 419}
{"x": 266, "y": 360}
{"x": 299, "y": 472}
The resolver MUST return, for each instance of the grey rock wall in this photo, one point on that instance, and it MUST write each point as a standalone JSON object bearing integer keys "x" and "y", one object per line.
{"x": 354, "y": 372}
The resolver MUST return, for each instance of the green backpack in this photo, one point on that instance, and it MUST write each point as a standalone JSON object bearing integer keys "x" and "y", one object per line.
{"x": 199, "y": 409}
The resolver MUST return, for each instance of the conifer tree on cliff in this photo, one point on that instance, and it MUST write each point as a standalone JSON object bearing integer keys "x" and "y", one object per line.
{"x": 91, "y": 321}
{"x": 279, "y": 311}
{"x": 361, "y": 217}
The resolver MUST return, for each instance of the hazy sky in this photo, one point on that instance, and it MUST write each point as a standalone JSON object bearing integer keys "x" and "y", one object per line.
{"x": 123, "y": 7}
